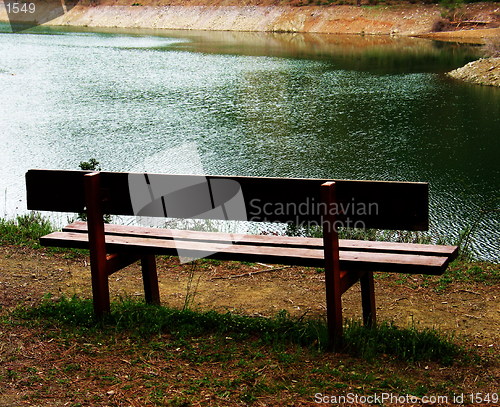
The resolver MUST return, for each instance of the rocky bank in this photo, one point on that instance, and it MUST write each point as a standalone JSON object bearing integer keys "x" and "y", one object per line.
{"x": 482, "y": 72}
{"x": 481, "y": 20}
{"x": 259, "y": 15}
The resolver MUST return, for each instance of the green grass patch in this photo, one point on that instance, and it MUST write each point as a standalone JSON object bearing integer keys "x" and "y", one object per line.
{"x": 408, "y": 344}
{"x": 480, "y": 272}
{"x": 460, "y": 271}
{"x": 24, "y": 229}
{"x": 141, "y": 320}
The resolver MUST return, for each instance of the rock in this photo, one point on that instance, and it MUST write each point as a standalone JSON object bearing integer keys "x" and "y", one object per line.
{"x": 484, "y": 71}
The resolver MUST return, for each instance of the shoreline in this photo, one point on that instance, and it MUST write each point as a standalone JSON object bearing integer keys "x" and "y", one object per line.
{"x": 417, "y": 20}
{"x": 401, "y": 21}
{"x": 485, "y": 71}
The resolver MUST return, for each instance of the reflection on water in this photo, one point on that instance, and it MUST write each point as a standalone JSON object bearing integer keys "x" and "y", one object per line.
{"x": 254, "y": 104}
{"x": 371, "y": 53}
{"x": 375, "y": 54}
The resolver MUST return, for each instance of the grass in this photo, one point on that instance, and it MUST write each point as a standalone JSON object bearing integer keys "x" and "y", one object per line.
{"x": 141, "y": 320}
{"x": 463, "y": 271}
{"x": 409, "y": 344}
{"x": 159, "y": 356}
{"x": 459, "y": 271}
{"x": 24, "y": 230}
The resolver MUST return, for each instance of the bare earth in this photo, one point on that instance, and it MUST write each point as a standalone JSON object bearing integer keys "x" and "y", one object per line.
{"x": 471, "y": 309}
{"x": 42, "y": 372}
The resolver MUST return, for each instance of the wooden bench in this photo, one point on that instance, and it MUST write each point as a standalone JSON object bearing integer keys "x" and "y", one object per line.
{"x": 328, "y": 203}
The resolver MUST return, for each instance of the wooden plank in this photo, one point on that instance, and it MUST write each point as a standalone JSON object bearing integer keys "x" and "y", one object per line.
{"x": 370, "y": 204}
{"x": 333, "y": 287}
{"x": 150, "y": 280}
{"x": 53, "y": 190}
{"x": 368, "y": 299}
{"x": 270, "y": 240}
{"x": 396, "y": 247}
{"x": 118, "y": 261}
{"x": 97, "y": 245}
{"x": 350, "y": 260}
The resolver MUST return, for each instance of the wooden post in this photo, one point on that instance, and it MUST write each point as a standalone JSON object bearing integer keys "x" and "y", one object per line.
{"x": 332, "y": 267}
{"x": 150, "y": 279}
{"x": 368, "y": 299}
{"x": 97, "y": 244}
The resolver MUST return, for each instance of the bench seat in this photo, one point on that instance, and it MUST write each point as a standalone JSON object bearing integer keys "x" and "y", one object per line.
{"x": 355, "y": 255}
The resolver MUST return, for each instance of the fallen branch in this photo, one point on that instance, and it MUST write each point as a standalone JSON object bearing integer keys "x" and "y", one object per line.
{"x": 467, "y": 291}
{"x": 249, "y": 274}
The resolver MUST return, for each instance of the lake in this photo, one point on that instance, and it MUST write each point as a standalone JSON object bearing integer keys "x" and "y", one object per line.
{"x": 288, "y": 105}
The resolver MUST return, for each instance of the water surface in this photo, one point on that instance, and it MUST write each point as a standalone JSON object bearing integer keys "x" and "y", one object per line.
{"x": 254, "y": 104}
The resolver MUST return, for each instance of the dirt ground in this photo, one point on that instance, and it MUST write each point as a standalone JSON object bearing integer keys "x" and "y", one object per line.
{"x": 56, "y": 372}
{"x": 471, "y": 310}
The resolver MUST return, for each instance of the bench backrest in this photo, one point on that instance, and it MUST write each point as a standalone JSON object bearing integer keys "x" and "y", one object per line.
{"x": 370, "y": 204}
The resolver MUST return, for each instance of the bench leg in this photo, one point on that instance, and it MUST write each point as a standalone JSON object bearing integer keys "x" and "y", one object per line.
{"x": 97, "y": 245}
{"x": 368, "y": 299}
{"x": 334, "y": 310}
{"x": 100, "y": 285}
{"x": 150, "y": 279}
{"x": 332, "y": 269}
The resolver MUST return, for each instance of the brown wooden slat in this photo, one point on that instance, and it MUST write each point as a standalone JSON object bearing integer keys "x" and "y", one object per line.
{"x": 270, "y": 240}
{"x": 97, "y": 244}
{"x": 400, "y": 205}
{"x": 159, "y": 233}
{"x": 117, "y": 261}
{"x": 395, "y": 247}
{"x": 348, "y": 279}
{"x": 350, "y": 260}
{"x": 53, "y": 190}
{"x": 333, "y": 284}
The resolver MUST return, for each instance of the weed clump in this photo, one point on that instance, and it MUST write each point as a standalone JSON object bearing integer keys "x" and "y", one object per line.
{"x": 143, "y": 321}
{"x": 24, "y": 229}
{"x": 410, "y": 344}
